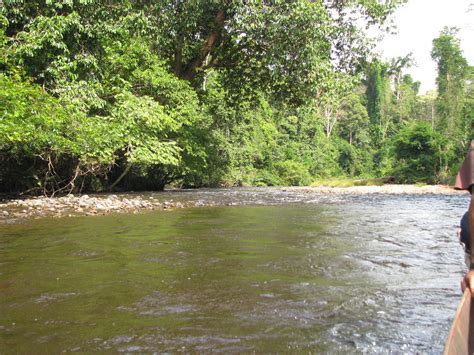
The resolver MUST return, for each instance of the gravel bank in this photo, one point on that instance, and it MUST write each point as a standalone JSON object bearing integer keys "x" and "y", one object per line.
{"x": 387, "y": 189}
{"x": 100, "y": 204}
{"x": 83, "y": 205}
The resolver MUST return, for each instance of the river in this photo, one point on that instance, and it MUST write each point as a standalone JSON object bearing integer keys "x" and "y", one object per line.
{"x": 265, "y": 270}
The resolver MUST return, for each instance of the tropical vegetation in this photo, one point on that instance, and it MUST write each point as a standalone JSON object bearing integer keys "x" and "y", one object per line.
{"x": 131, "y": 95}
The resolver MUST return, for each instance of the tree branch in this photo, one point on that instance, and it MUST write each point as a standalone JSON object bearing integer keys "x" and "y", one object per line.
{"x": 212, "y": 38}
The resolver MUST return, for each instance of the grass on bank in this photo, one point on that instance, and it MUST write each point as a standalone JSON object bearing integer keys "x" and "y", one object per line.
{"x": 346, "y": 182}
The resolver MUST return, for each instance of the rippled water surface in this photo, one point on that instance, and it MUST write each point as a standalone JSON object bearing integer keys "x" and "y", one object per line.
{"x": 281, "y": 271}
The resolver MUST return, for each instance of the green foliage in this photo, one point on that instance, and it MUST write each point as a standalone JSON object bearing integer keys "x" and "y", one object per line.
{"x": 140, "y": 123}
{"x": 292, "y": 173}
{"x": 268, "y": 178}
{"x": 417, "y": 153}
{"x": 355, "y": 121}
{"x": 379, "y": 101}
{"x": 132, "y": 119}
{"x": 452, "y": 71}
{"x": 450, "y": 120}
{"x": 468, "y": 109}
{"x": 37, "y": 130}
{"x": 31, "y": 118}
{"x": 325, "y": 159}
{"x": 99, "y": 95}
{"x": 355, "y": 161}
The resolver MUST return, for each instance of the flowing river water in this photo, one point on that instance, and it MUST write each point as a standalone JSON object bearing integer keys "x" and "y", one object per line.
{"x": 263, "y": 270}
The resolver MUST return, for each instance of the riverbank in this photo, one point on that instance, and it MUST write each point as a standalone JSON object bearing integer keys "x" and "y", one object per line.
{"x": 386, "y": 189}
{"x": 101, "y": 204}
{"x": 81, "y": 205}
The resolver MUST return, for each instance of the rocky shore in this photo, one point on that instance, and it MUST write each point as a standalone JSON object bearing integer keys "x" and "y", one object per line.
{"x": 101, "y": 204}
{"x": 80, "y": 205}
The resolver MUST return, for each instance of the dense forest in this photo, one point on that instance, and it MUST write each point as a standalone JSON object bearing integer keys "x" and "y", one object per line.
{"x": 131, "y": 95}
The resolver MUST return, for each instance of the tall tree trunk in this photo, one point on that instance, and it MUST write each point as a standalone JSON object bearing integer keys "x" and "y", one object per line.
{"x": 213, "y": 37}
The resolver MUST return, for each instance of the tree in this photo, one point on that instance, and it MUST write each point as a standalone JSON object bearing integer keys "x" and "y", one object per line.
{"x": 355, "y": 120}
{"x": 283, "y": 47}
{"x": 417, "y": 153}
{"x": 468, "y": 110}
{"x": 46, "y": 146}
{"x": 397, "y": 65}
{"x": 452, "y": 70}
{"x": 199, "y": 92}
{"x": 426, "y": 107}
{"x": 332, "y": 98}
{"x": 379, "y": 96}
{"x": 405, "y": 100}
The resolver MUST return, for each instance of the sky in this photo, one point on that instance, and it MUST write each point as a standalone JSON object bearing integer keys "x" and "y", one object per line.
{"x": 418, "y": 23}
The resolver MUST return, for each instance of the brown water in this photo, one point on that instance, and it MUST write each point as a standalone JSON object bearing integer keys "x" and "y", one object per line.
{"x": 282, "y": 271}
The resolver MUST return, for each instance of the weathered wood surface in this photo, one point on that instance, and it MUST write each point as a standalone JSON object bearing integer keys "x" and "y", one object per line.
{"x": 461, "y": 335}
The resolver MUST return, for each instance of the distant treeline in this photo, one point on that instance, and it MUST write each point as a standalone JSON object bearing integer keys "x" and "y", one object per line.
{"x": 100, "y": 95}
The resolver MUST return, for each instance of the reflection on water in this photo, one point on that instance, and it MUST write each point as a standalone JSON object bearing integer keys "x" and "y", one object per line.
{"x": 298, "y": 272}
